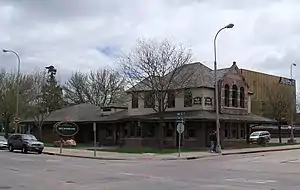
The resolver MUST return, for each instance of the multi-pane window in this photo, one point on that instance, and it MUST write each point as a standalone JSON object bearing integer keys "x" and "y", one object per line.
{"x": 198, "y": 100}
{"x": 242, "y": 97}
{"x": 149, "y": 100}
{"x": 135, "y": 100}
{"x": 171, "y": 99}
{"x": 234, "y": 96}
{"x": 188, "y": 97}
{"x": 226, "y": 94}
{"x": 208, "y": 101}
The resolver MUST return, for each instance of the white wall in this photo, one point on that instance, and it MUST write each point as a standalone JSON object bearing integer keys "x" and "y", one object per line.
{"x": 179, "y": 102}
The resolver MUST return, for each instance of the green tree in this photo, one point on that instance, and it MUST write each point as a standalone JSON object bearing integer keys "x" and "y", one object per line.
{"x": 52, "y": 94}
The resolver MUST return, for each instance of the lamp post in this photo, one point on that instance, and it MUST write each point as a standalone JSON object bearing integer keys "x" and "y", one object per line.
{"x": 292, "y": 106}
{"x": 18, "y": 86}
{"x": 219, "y": 150}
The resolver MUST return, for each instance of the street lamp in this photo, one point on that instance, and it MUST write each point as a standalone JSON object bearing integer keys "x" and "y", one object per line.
{"x": 219, "y": 150}
{"x": 18, "y": 86}
{"x": 292, "y": 106}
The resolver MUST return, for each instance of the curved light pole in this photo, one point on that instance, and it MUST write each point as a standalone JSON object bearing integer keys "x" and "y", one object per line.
{"x": 292, "y": 106}
{"x": 18, "y": 87}
{"x": 219, "y": 150}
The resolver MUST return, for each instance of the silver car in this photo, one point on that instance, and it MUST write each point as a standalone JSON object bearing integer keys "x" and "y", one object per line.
{"x": 3, "y": 142}
{"x": 259, "y": 136}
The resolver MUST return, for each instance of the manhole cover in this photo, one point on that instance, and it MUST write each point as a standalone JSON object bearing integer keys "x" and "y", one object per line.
{"x": 5, "y": 187}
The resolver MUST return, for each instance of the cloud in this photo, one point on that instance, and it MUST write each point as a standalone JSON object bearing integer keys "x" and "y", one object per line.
{"x": 88, "y": 34}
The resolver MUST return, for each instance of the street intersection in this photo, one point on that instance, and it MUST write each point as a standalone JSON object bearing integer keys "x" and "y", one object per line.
{"x": 265, "y": 171}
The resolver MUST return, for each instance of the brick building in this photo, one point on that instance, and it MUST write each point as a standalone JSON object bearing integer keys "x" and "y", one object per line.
{"x": 138, "y": 125}
{"x": 270, "y": 89}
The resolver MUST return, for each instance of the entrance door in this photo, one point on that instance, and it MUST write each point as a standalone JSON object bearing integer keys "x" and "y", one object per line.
{"x": 209, "y": 128}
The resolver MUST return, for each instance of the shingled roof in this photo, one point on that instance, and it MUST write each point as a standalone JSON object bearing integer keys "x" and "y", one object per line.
{"x": 76, "y": 113}
{"x": 191, "y": 75}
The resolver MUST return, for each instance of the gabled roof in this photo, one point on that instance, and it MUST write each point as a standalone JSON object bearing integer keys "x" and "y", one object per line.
{"x": 191, "y": 75}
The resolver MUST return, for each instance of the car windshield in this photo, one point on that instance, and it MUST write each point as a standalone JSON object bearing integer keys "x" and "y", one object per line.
{"x": 29, "y": 137}
{"x": 255, "y": 134}
{"x": 2, "y": 138}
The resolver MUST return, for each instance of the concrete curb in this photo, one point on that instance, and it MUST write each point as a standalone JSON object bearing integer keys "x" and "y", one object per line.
{"x": 88, "y": 157}
{"x": 260, "y": 151}
{"x": 173, "y": 158}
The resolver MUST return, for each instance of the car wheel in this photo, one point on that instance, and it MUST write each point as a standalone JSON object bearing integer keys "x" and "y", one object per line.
{"x": 10, "y": 148}
{"x": 24, "y": 149}
{"x": 39, "y": 152}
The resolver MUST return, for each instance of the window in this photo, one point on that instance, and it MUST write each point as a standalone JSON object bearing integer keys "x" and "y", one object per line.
{"x": 191, "y": 132}
{"x": 109, "y": 132}
{"x": 233, "y": 128}
{"x": 135, "y": 100}
{"x": 138, "y": 131}
{"x": 234, "y": 96}
{"x": 242, "y": 97}
{"x": 197, "y": 100}
{"x": 226, "y": 94}
{"x": 148, "y": 130}
{"x": 242, "y": 135}
{"x": 169, "y": 130}
{"x": 226, "y": 131}
{"x": 171, "y": 99}
{"x": 208, "y": 101}
{"x": 149, "y": 100}
{"x": 188, "y": 98}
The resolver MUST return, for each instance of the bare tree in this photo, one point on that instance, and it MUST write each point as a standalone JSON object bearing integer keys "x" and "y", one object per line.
{"x": 102, "y": 87}
{"x": 8, "y": 96}
{"x": 278, "y": 104}
{"x": 156, "y": 67}
{"x": 37, "y": 105}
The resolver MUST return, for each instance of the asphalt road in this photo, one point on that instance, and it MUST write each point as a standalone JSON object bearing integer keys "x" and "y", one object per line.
{"x": 277, "y": 170}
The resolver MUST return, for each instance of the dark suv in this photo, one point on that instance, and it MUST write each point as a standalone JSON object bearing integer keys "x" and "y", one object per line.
{"x": 25, "y": 143}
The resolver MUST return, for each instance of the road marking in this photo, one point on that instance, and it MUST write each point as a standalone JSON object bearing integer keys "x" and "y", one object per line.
{"x": 145, "y": 176}
{"x": 22, "y": 159}
{"x": 50, "y": 160}
{"x": 243, "y": 180}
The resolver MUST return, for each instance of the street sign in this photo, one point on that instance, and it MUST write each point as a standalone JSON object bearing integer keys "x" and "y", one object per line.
{"x": 66, "y": 129}
{"x": 180, "y": 128}
{"x": 16, "y": 119}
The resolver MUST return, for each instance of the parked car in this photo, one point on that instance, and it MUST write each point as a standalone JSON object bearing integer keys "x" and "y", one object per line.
{"x": 25, "y": 143}
{"x": 3, "y": 142}
{"x": 260, "y": 137}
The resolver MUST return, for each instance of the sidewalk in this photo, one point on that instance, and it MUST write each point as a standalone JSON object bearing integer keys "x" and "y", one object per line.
{"x": 102, "y": 155}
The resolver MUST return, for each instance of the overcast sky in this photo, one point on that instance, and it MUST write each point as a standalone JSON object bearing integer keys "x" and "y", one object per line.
{"x": 88, "y": 34}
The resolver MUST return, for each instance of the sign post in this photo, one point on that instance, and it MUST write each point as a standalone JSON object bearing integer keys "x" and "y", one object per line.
{"x": 95, "y": 136}
{"x": 61, "y": 145}
{"x": 65, "y": 129}
{"x": 180, "y": 129}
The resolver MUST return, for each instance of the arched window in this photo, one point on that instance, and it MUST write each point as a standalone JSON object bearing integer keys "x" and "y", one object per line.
{"x": 226, "y": 94}
{"x": 242, "y": 97}
{"x": 234, "y": 96}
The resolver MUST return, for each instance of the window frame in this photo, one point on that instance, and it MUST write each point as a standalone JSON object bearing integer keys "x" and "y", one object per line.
{"x": 234, "y": 96}
{"x": 226, "y": 95}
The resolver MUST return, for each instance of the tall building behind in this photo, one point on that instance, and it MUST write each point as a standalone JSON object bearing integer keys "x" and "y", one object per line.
{"x": 274, "y": 96}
